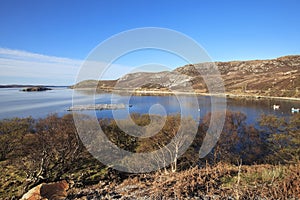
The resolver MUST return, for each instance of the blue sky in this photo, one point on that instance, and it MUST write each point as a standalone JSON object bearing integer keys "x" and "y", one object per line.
{"x": 58, "y": 35}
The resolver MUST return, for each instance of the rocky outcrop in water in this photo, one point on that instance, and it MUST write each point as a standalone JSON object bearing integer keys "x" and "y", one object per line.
{"x": 97, "y": 107}
{"x": 35, "y": 89}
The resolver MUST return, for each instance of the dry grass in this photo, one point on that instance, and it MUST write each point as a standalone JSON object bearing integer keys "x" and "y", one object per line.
{"x": 11, "y": 181}
{"x": 219, "y": 182}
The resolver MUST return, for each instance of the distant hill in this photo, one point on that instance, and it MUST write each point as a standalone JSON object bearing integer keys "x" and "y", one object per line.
{"x": 278, "y": 77}
{"x": 101, "y": 85}
{"x": 27, "y": 86}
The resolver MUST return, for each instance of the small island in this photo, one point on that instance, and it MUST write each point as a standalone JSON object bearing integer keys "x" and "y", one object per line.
{"x": 97, "y": 107}
{"x": 35, "y": 89}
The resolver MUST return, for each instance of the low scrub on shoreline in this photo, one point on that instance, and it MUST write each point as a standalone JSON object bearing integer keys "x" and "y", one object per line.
{"x": 246, "y": 162}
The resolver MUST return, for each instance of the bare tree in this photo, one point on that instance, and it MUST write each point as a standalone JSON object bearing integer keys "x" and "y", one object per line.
{"x": 51, "y": 151}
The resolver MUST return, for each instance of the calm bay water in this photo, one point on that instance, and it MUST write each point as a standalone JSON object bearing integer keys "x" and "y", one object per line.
{"x": 15, "y": 103}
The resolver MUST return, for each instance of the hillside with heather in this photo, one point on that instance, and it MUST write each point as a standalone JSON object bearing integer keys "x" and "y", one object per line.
{"x": 278, "y": 77}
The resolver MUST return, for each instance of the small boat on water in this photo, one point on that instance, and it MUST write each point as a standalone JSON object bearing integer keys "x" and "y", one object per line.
{"x": 295, "y": 110}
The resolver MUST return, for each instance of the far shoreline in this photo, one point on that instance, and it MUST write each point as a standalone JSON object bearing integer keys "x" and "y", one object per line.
{"x": 162, "y": 93}
{"x": 166, "y": 93}
{"x": 24, "y": 86}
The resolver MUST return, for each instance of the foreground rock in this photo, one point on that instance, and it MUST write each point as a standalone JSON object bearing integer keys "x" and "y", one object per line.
{"x": 57, "y": 190}
{"x": 35, "y": 89}
{"x": 97, "y": 107}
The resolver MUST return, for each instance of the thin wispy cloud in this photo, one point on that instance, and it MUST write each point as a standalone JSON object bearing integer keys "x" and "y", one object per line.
{"x": 24, "y": 55}
{"x": 18, "y": 66}
{"x": 22, "y": 67}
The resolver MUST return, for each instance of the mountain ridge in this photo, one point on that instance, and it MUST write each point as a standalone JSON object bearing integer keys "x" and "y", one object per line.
{"x": 279, "y": 77}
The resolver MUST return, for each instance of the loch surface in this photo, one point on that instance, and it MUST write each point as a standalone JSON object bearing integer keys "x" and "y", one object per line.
{"x": 16, "y": 103}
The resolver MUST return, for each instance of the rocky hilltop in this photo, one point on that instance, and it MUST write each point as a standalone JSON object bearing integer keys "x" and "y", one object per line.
{"x": 278, "y": 77}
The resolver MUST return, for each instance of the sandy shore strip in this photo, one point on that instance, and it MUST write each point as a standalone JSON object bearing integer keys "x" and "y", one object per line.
{"x": 164, "y": 93}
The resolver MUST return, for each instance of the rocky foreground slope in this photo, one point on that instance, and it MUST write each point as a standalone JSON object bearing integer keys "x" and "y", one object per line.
{"x": 274, "y": 77}
{"x": 222, "y": 181}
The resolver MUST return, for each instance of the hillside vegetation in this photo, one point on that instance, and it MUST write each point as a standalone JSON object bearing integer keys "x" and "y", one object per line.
{"x": 247, "y": 161}
{"x": 275, "y": 77}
